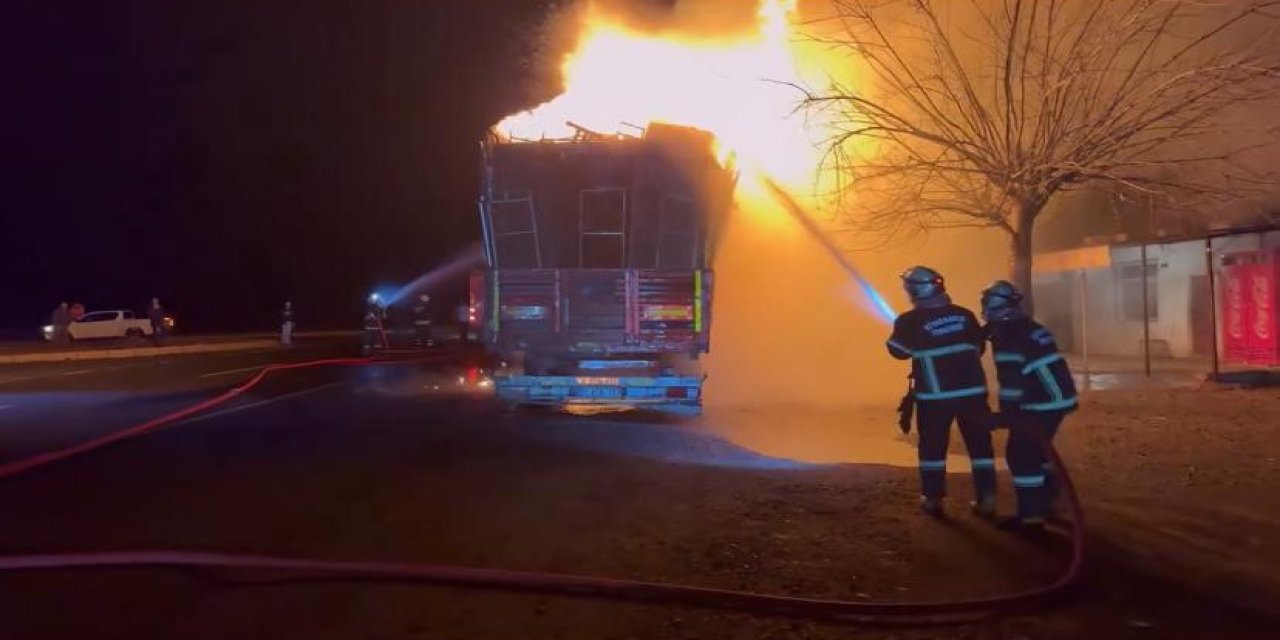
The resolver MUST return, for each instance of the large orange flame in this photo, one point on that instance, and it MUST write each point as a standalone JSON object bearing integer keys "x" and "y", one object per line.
{"x": 786, "y": 330}
{"x": 741, "y": 88}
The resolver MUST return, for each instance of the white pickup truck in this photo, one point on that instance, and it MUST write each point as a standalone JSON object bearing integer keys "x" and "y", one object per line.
{"x": 105, "y": 324}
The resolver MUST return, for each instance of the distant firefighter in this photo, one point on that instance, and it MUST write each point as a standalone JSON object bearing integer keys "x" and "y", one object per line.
{"x": 462, "y": 316}
{"x": 374, "y": 335}
{"x": 422, "y": 322}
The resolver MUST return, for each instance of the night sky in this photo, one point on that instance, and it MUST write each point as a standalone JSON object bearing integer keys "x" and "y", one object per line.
{"x": 227, "y": 155}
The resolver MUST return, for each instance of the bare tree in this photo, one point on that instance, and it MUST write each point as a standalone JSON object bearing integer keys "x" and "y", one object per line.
{"x": 979, "y": 113}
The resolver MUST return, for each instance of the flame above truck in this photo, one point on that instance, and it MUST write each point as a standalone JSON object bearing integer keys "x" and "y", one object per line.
{"x": 598, "y": 251}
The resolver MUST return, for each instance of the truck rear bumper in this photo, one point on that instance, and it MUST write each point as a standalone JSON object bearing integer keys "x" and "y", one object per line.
{"x": 668, "y": 393}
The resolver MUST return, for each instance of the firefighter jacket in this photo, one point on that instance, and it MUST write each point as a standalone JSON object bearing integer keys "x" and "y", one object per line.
{"x": 945, "y": 345}
{"x": 1032, "y": 373}
{"x": 374, "y": 317}
{"x": 421, "y": 314}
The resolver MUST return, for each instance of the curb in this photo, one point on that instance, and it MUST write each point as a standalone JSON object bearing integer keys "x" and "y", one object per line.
{"x": 139, "y": 352}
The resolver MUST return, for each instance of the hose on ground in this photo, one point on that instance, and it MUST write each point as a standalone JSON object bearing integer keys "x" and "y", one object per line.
{"x": 923, "y": 613}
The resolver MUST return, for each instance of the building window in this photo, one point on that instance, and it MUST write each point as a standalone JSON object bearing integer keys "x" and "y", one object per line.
{"x": 1130, "y": 284}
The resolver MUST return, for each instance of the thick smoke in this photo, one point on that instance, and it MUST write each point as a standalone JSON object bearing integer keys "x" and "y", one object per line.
{"x": 791, "y": 328}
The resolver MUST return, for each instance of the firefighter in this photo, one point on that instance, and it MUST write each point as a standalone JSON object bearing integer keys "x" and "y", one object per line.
{"x": 462, "y": 316}
{"x": 945, "y": 344}
{"x": 1036, "y": 394}
{"x": 375, "y": 315}
{"x": 422, "y": 322}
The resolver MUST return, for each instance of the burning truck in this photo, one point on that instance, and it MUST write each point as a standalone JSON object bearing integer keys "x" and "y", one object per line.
{"x": 598, "y": 249}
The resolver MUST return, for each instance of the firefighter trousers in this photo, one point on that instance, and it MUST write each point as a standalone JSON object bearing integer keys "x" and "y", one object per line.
{"x": 1033, "y": 479}
{"x": 933, "y": 426}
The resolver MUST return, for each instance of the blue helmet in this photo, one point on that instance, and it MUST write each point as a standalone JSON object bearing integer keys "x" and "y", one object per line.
{"x": 1001, "y": 301}
{"x": 922, "y": 282}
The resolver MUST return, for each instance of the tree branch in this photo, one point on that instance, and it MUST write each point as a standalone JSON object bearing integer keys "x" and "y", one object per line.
{"x": 1137, "y": 93}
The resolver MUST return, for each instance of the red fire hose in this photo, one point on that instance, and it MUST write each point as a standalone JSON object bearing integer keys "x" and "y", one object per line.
{"x": 308, "y": 569}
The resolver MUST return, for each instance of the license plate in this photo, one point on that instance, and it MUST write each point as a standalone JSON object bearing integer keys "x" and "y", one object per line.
{"x": 594, "y": 380}
{"x": 598, "y": 392}
{"x": 529, "y": 312}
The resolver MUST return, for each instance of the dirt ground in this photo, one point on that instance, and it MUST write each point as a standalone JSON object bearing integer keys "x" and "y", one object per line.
{"x": 1178, "y": 486}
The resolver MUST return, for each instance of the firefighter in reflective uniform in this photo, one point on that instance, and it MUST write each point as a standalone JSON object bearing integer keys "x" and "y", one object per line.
{"x": 945, "y": 344}
{"x": 422, "y": 322}
{"x": 1036, "y": 394}
{"x": 462, "y": 315}
{"x": 375, "y": 316}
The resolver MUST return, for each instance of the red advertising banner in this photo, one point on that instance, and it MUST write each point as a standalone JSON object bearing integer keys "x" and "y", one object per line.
{"x": 1261, "y": 321}
{"x": 1250, "y": 320}
{"x": 1235, "y": 304}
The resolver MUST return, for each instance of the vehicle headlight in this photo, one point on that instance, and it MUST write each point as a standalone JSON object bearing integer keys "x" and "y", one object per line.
{"x": 47, "y": 330}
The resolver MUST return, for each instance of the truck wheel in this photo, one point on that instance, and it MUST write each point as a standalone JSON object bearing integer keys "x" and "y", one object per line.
{"x": 133, "y": 334}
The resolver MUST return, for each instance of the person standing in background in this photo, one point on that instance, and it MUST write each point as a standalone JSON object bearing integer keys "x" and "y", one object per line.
{"x": 60, "y": 319}
{"x": 286, "y": 323}
{"x": 155, "y": 313}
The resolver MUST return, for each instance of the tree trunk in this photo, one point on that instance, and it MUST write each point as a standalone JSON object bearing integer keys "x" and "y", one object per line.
{"x": 1024, "y": 219}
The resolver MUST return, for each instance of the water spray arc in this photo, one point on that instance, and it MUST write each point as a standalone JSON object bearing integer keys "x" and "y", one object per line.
{"x": 878, "y": 305}
{"x": 464, "y": 260}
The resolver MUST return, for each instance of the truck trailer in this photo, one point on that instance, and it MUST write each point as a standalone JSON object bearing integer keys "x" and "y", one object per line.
{"x": 597, "y": 285}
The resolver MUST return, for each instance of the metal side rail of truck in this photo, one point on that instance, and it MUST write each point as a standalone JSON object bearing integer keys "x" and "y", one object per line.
{"x": 597, "y": 290}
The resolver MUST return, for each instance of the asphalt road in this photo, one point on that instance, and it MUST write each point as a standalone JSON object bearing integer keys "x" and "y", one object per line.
{"x": 39, "y": 346}
{"x": 413, "y": 463}
{"x": 49, "y": 405}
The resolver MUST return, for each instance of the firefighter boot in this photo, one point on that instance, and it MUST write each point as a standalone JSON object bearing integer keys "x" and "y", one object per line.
{"x": 932, "y": 507}
{"x": 984, "y": 487}
{"x": 1054, "y": 514}
{"x": 984, "y": 507}
{"x": 1033, "y": 527}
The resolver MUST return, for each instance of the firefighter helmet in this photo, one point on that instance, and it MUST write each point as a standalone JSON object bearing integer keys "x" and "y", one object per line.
{"x": 922, "y": 282}
{"x": 1001, "y": 300}
{"x": 424, "y": 298}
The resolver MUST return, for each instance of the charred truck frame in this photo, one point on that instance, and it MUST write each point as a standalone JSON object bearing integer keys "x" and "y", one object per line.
{"x": 598, "y": 289}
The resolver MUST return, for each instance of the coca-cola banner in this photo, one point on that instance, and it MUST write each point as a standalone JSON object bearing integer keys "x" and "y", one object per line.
{"x": 1250, "y": 322}
{"x": 1262, "y": 313}
{"x": 1235, "y": 304}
